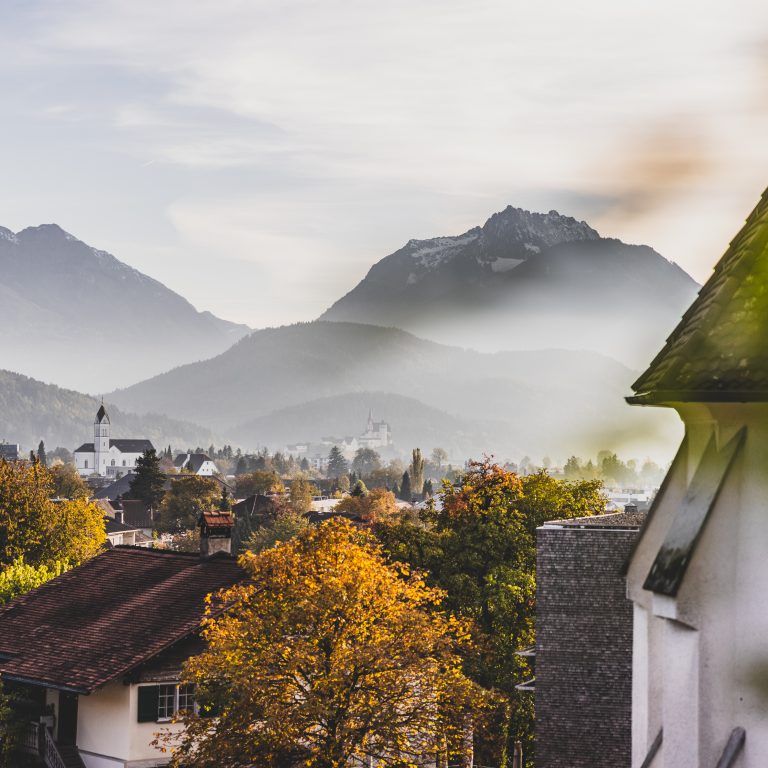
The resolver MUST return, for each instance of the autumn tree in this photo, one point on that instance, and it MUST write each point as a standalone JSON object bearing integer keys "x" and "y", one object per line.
{"x": 259, "y": 482}
{"x": 301, "y": 494}
{"x": 326, "y": 656}
{"x": 39, "y": 530}
{"x": 187, "y": 498}
{"x": 149, "y": 480}
{"x": 374, "y": 506}
{"x": 480, "y": 546}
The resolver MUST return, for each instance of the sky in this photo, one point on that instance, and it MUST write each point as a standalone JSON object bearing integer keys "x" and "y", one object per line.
{"x": 258, "y": 157}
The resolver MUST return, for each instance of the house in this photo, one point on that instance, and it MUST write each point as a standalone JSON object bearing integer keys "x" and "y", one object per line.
{"x": 698, "y": 574}
{"x": 107, "y": 457}
{"x": 196, "y": 463}
{"x": 9, "y": 451}
{"x": 583, "y": 652}
{"x": 96, "y": 653}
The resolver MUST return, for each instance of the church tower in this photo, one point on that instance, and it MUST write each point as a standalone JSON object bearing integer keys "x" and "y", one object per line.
{"x": 101, "y": 427}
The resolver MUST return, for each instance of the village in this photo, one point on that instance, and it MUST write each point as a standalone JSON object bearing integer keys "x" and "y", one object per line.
{"x": 635, "y": 635}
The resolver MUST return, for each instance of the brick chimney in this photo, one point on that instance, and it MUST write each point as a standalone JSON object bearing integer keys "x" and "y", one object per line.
{"x": 215, "y": 533}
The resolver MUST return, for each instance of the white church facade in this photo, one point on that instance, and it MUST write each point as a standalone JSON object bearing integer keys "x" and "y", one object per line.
{"x": 698, "y": 577}
{"x": 105, "y": 456}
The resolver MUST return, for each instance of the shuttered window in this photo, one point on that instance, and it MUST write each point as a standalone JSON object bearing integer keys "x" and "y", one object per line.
{"x": 148, "y": 698}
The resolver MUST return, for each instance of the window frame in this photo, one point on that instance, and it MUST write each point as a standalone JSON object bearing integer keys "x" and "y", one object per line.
{"x": 169, "y": 702}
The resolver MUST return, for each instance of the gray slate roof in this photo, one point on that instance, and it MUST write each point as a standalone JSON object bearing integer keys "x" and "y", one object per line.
{"x": 124, "y": 446}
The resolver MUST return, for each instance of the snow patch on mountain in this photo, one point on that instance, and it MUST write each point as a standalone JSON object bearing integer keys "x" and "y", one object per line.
{"x": 431, "y": 254}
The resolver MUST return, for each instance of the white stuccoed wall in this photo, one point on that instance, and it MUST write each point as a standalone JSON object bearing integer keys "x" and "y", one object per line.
{"x": 693, "y": 673}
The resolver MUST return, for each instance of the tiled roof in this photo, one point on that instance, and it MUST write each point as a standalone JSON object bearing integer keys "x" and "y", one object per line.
{"x": 218, "y": 519}
{"x": 718, "y": 352}
{"x": 97, "y": 622}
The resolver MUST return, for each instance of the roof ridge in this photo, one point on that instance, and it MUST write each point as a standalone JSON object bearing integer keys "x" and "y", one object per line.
{"x": 715, "y": 346}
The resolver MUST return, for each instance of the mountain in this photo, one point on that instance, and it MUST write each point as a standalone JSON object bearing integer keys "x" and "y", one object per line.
{"x": 78, "y": 316}
{"x": 281, "y": 384}
{"x": 525, "y": 281}
{"x": 31, "y": 411}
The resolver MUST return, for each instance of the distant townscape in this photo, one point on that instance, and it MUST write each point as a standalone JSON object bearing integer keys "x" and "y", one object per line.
{"x": 347, "y": 598}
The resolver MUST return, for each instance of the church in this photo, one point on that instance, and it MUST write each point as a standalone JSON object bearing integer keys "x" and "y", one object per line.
{"x": 107, "y": 457}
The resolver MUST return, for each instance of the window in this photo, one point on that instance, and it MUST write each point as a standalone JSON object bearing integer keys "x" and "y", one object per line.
{"x": 113, "y": 462}
{"x": 85, "y": 466}
{"x": 123, "y": 462}
{"x": 159, "y": 703}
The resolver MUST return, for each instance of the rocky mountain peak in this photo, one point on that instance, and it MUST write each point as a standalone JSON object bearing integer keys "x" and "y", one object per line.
{"x": 542, "y": 230}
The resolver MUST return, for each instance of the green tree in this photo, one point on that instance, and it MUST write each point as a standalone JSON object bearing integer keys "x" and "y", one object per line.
{"x": 480, "y": 546}
{"x": 327, "y": 656}
{"x": 19, "y": 577}
{"x": 41, "y": 457}
{"x": 417, "y": 472}
{"x": 67, "y": 483}
{"x": 149, "y": 480}
{"x": 406, "y": 494}
{"x": 359, "y": 489}
{"x": 186, "y": 500}
{"x": 283, "y": 527}
{"x": 366, "y": 461}
{"x": 337, "y": 464}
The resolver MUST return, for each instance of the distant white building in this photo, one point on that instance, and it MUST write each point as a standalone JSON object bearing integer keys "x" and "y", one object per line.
{"x": 107, "y": 457}
{"x": 377, "y": 434}
{"x": 196, "y": 463}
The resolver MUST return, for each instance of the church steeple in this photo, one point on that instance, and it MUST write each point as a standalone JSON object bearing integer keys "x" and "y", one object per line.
{"x": 101, "y": 426}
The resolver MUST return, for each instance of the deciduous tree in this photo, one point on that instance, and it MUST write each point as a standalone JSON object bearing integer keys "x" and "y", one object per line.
{"x": 301, "y": 494}
{"x": 480, "y": 546}
{"x": 326, "y": 656}
{"x": 42, "y": 531}
{"x": 186, "y": 500}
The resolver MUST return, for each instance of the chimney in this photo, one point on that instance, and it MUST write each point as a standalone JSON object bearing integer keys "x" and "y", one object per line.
{"x": 215, "y": 533}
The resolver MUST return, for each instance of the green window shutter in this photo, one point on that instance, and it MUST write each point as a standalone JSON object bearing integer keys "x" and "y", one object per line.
{"x": 148, "y": 703}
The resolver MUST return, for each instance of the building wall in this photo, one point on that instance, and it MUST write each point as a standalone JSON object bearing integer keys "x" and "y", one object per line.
{"x": 108, "y": 731}
{"x": 583, "y": 648}
{"x": 698, "y": 653}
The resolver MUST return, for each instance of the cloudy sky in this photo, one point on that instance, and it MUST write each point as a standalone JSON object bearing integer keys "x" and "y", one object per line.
{"x": 258, "y": 157}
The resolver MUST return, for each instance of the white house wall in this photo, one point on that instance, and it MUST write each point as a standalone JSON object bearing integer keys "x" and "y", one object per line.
{"x": 109, "y": 734}
{"x": 695, "y": 655}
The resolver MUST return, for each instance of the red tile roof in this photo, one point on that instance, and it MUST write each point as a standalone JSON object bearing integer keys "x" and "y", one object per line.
{"x": 718, "y": 351}
{"x": 102, "y": 619}
{"x": 218, "y": 519}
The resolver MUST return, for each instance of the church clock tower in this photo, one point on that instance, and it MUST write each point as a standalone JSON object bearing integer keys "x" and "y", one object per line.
{"x": 101, "y": 427}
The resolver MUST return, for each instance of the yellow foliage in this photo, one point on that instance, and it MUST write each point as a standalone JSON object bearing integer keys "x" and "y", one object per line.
{"x": 326, "y": 654}
{"x": 38, "y": 529}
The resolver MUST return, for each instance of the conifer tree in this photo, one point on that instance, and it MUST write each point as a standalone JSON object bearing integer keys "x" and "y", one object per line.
{"x": 147, "y": 485}
{"x": 41, "y": 457}
{"x": 405, "y": 487}
{"x": 337, "y": 464}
